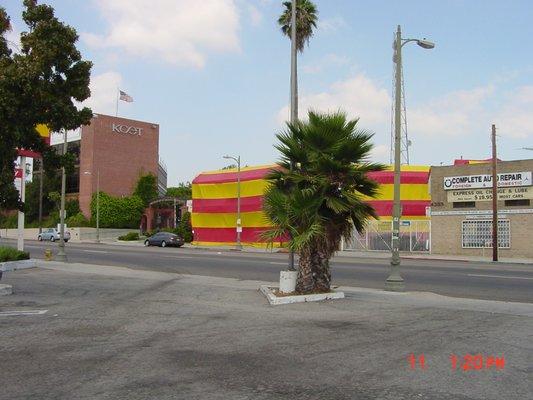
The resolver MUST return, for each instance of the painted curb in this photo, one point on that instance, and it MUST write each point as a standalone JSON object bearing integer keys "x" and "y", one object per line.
{"x": 305, "y": 298}
{"x": 6, "y": 290}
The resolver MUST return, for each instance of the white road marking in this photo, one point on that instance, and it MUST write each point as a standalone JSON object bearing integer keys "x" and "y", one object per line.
{"x": 500, "y": 276}
{"x": 96, "y": 251}
{"x": 278, "y": 263}
{"x": 22, "y": 312}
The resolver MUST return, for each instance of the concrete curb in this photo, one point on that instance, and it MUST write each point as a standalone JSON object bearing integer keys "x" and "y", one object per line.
{"x": 275, "y": 300}
{"x": 14, "y": 265}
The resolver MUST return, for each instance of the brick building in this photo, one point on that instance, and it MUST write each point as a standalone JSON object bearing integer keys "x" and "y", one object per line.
{"x": 461, "y": 209}
{"x": 115, "y": 151}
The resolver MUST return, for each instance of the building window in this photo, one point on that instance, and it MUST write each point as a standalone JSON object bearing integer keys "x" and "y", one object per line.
{"x": 477, "y": 234}
{"x": 464, "y": 204}
{"x": 519, "y": 202}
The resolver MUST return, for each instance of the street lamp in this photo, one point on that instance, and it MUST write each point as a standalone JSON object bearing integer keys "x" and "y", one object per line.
{"x": 395, "y": 281}
{"x": 61, "y": 255}
{"x": 239, "y": 226}
{"x": 97, "y": 203}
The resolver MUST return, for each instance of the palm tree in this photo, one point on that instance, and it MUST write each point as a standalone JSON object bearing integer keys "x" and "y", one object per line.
{"x": 298, "y": 27}
{"x": 306, "y": 19}
{"x": 322, "y": 199}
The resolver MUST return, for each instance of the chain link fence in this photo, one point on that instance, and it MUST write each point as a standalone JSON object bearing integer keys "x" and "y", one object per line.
{"x": 415, "y": 236}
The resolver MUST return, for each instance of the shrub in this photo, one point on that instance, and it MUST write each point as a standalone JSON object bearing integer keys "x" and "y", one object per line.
{"x": 12, "y": 254}
{"x": 129, "y": 236}
{"x": 77, "y": 220}
{"x": 72, "y": 208}
{"x": 118, "y": 212}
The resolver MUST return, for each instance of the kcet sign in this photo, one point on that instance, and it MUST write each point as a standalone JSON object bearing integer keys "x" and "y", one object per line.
{"x": 132, "y": 130}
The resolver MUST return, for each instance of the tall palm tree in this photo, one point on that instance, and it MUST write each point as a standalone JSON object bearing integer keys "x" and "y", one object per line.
{"x": 298, "y": 26}
{"x": 322, "y": 199}
{"x": 306, "y": 19}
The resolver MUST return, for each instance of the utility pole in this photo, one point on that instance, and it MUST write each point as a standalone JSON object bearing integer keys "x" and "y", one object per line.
{"x": 61, "y": 256}
{"x": 494, "y": 197}
{"x": 294, "y": 92}
{"x": 395, "y": 281}
{"x": 41, "y": 170}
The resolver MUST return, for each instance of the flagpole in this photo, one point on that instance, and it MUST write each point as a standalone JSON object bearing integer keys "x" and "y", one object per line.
{"x": 116, "y": 113}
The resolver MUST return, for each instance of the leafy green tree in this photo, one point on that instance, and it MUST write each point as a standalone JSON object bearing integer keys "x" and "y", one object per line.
{"x": 38, "y": 85}
{"x": 146, "y": 188}
{"x": 306, "y": 20}
{"x": 323, "y": 198}
{"x": 182, "y": 191}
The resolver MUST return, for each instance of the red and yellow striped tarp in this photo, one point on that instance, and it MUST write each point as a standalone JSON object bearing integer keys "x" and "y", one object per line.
{"x": 214, "y": 193}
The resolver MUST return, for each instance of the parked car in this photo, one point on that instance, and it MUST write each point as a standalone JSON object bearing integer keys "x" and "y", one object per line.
{"x": 52, "y": 234}
{"x": 164, "y": 239}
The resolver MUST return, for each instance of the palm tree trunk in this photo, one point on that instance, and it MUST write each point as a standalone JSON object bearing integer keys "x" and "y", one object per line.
{"x": 305, "y": 282}
{"x": 322, "y": 272}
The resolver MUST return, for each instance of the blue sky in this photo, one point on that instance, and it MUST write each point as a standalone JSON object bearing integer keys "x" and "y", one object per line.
{"x": 215, "y": 74}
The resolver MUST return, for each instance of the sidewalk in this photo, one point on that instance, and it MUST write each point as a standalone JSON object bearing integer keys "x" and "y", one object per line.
{"x": 116, "y": 333}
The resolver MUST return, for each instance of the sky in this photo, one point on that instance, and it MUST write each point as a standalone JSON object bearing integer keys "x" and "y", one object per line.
{"x": 214, "y": 74}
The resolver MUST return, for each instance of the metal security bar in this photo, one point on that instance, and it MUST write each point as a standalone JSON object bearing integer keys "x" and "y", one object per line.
{"x": 477, "y": 234}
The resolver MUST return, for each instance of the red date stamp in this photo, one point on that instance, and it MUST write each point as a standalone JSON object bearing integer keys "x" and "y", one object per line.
{"x": 468, "y": 362}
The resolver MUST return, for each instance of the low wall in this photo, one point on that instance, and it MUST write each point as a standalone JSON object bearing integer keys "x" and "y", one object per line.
{"x": 76, "y": 234}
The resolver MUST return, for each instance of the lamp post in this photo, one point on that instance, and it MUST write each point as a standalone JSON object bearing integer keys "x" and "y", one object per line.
{"x": 97, "y": 203}
{"x": 395, "y": 282}
{"x": 61, "y": 255}
{"x": 238, "y": 225}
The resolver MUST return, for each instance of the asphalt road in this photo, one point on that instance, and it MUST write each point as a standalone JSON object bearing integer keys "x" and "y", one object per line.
{"x": 504, "y": 282}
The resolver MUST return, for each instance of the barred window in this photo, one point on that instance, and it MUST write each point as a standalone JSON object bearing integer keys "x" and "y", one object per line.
{"x": 478, "y": 233}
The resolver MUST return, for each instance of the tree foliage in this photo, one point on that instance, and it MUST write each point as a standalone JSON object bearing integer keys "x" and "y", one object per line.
{"x": 146, "y": 188}
{"x": 182, "y": 191}
{"x": 322, "y": 198}
{"x": 38, "y": 85}
{"x": 306, "y": 20}
{"x": 51, "y": 183}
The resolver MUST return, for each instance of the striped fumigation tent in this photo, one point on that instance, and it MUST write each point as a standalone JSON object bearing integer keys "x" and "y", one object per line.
{"x": 414, "y": 193}
{"x": 214, "y": 208}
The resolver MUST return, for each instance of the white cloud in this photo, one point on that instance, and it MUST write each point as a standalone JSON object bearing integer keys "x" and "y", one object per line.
{"x": 332, "y": 24}
{"x": 457, "y": 113}
{"x": 104, "y": 92}
{"x": 358, "y": 96}
{"x": 515, "y": 118}
{"x": 180, "y": 32}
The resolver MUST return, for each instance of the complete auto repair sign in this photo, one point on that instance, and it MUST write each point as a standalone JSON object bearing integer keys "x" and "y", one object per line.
{"x": 506, "y": 179}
